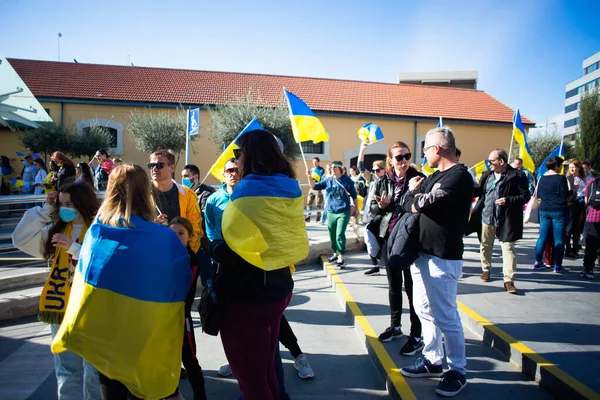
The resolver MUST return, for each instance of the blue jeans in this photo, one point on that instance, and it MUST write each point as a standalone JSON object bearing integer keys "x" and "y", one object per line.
{"x": 555, "y": 222}
{"x": 324, "y": 217}
{"x": 75, "y": 377}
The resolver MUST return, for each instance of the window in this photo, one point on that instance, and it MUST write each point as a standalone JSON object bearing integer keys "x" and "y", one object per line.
{"x": 571, "y": 122}
{"x": 571, "y": 93}
{"x": 313, "y": 148}
{"x": 590, "y": 85}
{"x": 591, "y": 68}
{"x": 571, "y": 107}
{"x": 581, "y": 89}
{"x": 115, "y": 128}
{"x": 113, "y": 135}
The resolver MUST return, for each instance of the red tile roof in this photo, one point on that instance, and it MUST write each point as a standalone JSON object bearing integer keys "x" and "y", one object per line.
{"x": 61, "y": 80}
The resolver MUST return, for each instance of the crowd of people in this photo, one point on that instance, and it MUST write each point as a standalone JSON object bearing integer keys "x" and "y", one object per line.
{"x": 408, "y": 230}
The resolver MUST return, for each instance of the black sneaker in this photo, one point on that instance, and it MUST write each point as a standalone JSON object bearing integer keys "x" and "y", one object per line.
{"x": 451, "y": 384}
{"x": 587, "y": 275}
{"x": 412, "y": 346}
{"x": 333, "y": 257}
{"x": 391, "y": 333}
{"x": 373, "y": 271}
{"x": 421, "y": 369}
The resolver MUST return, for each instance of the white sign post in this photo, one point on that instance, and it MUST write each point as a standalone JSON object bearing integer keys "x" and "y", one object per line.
{"x": 193, "y": 128}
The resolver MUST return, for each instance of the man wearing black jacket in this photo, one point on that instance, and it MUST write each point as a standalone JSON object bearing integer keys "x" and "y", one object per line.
{"x": 502, "y": 192}
{"x": 443, "y": 201}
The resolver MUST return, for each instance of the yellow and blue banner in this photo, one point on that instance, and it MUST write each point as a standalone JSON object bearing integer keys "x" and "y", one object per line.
{"x": 264, "y": 221}
{"x": 125, "y": 313}
{"x": 305, "y": 124}
{"x": 559, "y": 151}
{"x": 370, "y": 133}
{"x": 478, "y": 169}
{"x": 217, "y": 168}
{"x": 521, "y": 139}
{"x": 425, "y": 168}
{"x": 317, "y": 174}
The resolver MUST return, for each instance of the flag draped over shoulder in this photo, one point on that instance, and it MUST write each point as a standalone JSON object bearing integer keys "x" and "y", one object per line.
{"x": 264, "y": 221}
{"x": 217, "y": 169}
{"x": 126, "y": 309}
{"x": 521, "y": 139}
{"x": 559, "y": 151}
{"x": 478, "y": 169}
{"x": 370, "y": 133}
{"x": 305, "y": 124}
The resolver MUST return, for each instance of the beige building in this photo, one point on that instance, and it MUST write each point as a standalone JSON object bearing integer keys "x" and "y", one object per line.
{"x": 76, "y": 95}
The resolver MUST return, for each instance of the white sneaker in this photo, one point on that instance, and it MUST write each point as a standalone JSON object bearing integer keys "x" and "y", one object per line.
{"x": 224, "y": 370}
{"x": 303, "y": 367}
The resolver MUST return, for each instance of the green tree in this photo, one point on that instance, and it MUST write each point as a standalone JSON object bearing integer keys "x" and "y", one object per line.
{"x": 47, "y": 139}
{"x": 588, "y": 141}
{"x": 228, "y": 120}
{"x": 163, "y": 130}
{"x": 95, "y": 137}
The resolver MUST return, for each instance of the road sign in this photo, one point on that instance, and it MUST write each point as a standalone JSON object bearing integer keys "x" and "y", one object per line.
{"x": 193, "y": 121}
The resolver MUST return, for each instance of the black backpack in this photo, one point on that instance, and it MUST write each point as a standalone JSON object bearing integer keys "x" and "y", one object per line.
{"x": 593, "y": 199}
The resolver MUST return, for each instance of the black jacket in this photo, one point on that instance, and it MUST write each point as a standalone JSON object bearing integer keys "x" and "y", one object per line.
{"x": 238, "y": 281}
{"x": 381, "y": 218}
{"x": 510, "y": 219}
{"x": 403, "y": 245}
{"x": 203, "y": 192}
{"x": 65, "y": 175}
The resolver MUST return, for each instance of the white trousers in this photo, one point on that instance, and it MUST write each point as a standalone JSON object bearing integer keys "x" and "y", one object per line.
{"x": 435, "y": 283}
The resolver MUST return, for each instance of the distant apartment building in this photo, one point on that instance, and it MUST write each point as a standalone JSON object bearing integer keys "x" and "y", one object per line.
{"x": 574, "y": 90}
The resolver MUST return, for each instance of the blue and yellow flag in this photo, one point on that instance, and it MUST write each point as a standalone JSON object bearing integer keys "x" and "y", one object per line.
{"x": 305, "y": 124}
{"x": 370, "y": 133}
{"x": 317, "y": 174}
{"x": 264, "y": 221}
{"x": 217, "y": 169}
{"x": 478, "y": 169}
{"x": 521, "y": 139}
{"x": 559, "y": 151}
{"x": 125, "y": 313}
{"x": 425, "y": 168}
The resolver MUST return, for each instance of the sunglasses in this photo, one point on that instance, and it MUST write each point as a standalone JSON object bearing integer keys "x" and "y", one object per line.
{"x": 237, "y": 153}
{"x": 157, "y": 165}
{"x": 376, "y": 170}
{"x": 232, "y": 170}
{"x": 492, "y": 161}
{"x": 406, "y": 157}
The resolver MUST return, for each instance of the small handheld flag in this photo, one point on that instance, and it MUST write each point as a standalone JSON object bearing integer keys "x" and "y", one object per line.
{"x": 305, "y": 124}
{"x": 370, "y": 133}
{"x": 478, "y": 169}
{"x": 317, "y": 174}
{"x": 559, "y": 151}
{"x": 521, "y": 139}
{"x": 427, "y": 170}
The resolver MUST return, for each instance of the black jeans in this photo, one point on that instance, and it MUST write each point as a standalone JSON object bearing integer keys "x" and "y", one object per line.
{"x": 592, "y": 245}
{"x": 287, "y": 337}
{"x": 189, "y": 359}
{"x": 114, "y": 390}
{"x": 575, "y": 226}
{"x": 395, "y": 279}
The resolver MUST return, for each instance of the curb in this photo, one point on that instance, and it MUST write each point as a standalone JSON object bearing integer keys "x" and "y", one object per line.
{"x": 23, "y": 305}
{"x": 23, "y": 280}
{"x": 549, "y": 376}
{"x": 396, "y": 385}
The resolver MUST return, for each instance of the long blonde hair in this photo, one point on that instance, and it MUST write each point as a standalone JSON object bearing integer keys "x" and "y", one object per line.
{"x": 127, "y": 193}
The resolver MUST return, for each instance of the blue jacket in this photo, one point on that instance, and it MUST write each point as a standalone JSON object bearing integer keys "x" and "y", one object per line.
{"x": 213, "y": 212}
{"x": 336, "y": 193}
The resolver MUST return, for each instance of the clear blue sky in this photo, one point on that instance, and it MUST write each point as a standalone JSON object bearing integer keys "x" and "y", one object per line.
{"x": 525, "y": 51}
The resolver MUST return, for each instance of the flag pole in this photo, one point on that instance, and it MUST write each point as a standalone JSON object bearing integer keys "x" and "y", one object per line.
{"x": 512, "y": 138}
{"x": 294, "y": 129}
{"x": 206, "y": 176}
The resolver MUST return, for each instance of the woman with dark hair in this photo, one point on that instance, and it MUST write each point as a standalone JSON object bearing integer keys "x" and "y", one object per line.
{"x": 66, "y": 171}
{"x": 384, "y": 206}
{"x": 55, "y": 232}
{"x": 576, "y": 179}
{"x": 264, "y": 234}
{"x": 84, "y": 174}
{"x": 553, "y": 191}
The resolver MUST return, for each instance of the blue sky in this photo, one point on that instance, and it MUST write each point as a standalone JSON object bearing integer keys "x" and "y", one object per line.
{"x": 525, "y": 51}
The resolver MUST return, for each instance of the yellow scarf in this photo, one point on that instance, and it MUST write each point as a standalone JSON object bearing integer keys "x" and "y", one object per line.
{"x": 48, "y": 181}
{"x": 55, "y": 295}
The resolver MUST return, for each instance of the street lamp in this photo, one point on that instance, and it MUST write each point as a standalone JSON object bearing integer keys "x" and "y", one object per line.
{"x": 59, "y": 36}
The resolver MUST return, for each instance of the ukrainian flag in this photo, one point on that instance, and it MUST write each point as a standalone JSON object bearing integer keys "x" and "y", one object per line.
{"x": 370, "y": 133}
{"x": 264, "y": 221}
{"x": 317, "y": 174}
{"x": 305, "y": 124}
{"x": 125, "y": 312}
{"x": 479, "y": 168}
{"x": 427, "y": 170}
{"x": 559, "y": 151}
{"x": 217, "y": 169}
{"x": 521, "y": 139}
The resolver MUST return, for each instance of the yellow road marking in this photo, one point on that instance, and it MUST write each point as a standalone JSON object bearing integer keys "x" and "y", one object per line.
{"x": 386, "y": 361}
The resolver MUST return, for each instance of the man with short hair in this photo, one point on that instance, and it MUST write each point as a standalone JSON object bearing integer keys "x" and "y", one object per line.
{"x": 443, "y": 202}
{"x": 518, "y": 165}
{"x": 502, "y": 193}
{"x": 105, "y": 167}
{"x": 587, "y": 170}
{"x": 315, "y": 197}
{"x": 172, "y": 199}
{"x": 190, "y": 177}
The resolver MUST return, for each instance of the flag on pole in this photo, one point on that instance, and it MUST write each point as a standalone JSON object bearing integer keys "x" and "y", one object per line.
{"x": 305, "y": 124}
{"x": 478, "y": 169}
{"x": 217, "y": 169}
{"x": 521, "y": 139}
{"x": 559, "y": 151}
{"x": 370, "y": 133}
{"x": 427, "y": 170}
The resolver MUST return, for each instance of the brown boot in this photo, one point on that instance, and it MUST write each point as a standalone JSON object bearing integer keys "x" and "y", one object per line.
{"x": 485, "y": 276}
{"x": 510, "y": 287}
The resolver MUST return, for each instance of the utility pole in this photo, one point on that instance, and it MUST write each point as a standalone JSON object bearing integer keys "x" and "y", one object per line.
{"x": 59, "y": 36}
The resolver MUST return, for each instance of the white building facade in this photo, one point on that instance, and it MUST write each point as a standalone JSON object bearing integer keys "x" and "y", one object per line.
{"x": 574, "y": 90}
